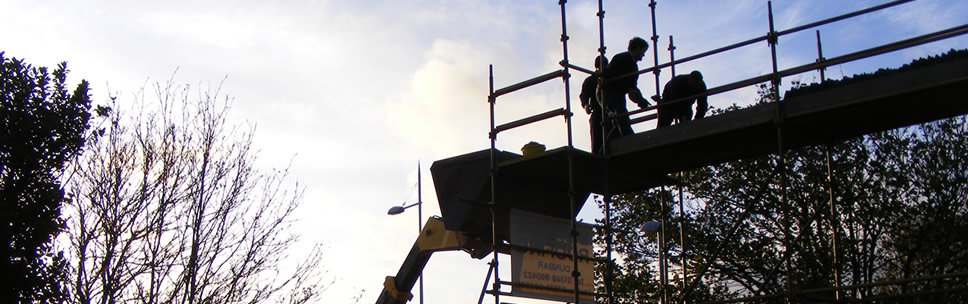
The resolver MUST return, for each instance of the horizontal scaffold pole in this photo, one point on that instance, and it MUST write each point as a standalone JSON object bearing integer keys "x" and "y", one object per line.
{"x": 643, "y": 118}
{"x": 842, "y": 17}
{"x": 887, "y": 48}
{"x": 528, "y": 120}
{"x": 548, "y": 288}
{"x": 784, "y": 32}
{"x": 763, "y": 38}
{"x": 584, "y": 70}
{"x": 527, "y": 83}
{"x": 712, "y": 91}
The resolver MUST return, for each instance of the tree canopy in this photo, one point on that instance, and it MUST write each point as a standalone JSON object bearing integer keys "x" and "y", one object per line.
{"x": 42, "y": 128}
{"x": 896, "y": 207}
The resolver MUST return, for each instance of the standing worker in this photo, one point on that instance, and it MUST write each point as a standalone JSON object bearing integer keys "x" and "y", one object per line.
{"x": 592, "y": 102}
{"x": 679, "y": 87}
{"x": 616, "y": 88}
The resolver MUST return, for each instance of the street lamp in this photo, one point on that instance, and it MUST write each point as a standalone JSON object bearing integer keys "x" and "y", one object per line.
{"x": 400, "y": 209}
{"x": 656, "y": 227}
{"x": 650, "y": 226}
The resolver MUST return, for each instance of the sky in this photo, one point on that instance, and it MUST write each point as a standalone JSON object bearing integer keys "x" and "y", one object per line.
{"x": 354, "y": 94}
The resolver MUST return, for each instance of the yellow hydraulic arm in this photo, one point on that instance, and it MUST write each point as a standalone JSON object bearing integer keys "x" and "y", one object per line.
{"x": 433, "y": 238}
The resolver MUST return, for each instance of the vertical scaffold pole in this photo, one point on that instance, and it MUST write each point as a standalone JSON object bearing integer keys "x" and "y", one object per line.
{"x": 682, "y": 224}
{"x": 834, "y": 222}
{"x": 420, "y": 223}
{"x": 575, "y": 274}
{"x": 566, "y": 78}
{"x": 672, "y": 57}
{"x": 655, "y": 49}
{"x": 663, "y": 267}
{"x": 606, "y": 199}
{"x": 820, "y": 58}
{"x": 773, "y": 39}
{"x": 493, "y": 203}
{"x": 663, "y": 273}
{"x": 682, "y": 235}
{"x": 663, "y": 262}
{"x": 682, "y": 213}
{"x": 600, "y": 94}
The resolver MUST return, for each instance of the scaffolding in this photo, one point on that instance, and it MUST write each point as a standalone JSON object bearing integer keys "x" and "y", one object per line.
{"x": 784, "y": 113}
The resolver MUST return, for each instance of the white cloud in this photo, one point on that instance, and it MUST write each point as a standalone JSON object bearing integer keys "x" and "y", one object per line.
{"x": 446, "y": 99}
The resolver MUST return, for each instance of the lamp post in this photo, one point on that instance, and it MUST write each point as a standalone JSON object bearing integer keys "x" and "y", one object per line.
{"x": 399, "y": 209}
{"x": 656, "y": 227}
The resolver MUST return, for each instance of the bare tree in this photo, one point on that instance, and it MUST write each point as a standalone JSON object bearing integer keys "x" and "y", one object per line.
{"x": 166, "y": 206}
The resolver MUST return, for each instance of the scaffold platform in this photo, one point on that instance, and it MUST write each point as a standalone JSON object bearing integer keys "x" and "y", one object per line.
{"x": 540, "y": 183}
{"x": 897, "y": 100}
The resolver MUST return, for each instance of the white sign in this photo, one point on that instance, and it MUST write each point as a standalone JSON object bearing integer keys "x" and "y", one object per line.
{"x": 550, "y": 265}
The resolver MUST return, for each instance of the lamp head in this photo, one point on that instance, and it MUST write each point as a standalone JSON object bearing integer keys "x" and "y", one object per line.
{"x": 651, "y": 226}
{"x": 395, "y": 210}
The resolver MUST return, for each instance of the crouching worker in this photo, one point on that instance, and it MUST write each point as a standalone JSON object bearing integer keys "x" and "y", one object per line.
{"x": 679, "y": 87}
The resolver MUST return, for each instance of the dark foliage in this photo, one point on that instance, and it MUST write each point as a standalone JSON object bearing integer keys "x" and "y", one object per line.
{"x": 42, "y": 128}
{"x": 765, "y": 229}
{"x": 916, "y": 64}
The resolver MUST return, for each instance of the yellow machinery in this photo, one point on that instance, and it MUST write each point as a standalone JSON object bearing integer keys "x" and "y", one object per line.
{"x": 433, "y": 238}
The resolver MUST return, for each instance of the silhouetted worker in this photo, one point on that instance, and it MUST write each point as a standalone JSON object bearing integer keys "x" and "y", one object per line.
{"x": 592, "y": 102}
{"x": 679, "y": 87}
{"x": 616, "y": 88}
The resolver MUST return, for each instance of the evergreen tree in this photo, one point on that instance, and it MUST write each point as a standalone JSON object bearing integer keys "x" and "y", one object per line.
{"x": 42, "y": 128}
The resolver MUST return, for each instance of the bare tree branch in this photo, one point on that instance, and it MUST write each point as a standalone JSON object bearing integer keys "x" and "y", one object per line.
{"x": 169, "y": 208}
